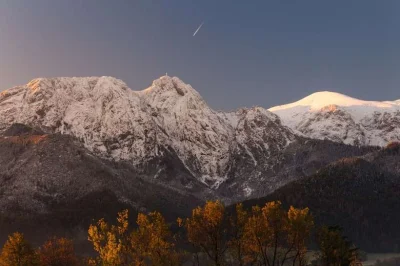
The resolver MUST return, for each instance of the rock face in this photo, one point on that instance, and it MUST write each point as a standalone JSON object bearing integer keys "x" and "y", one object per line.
{"x": 184, "y": 122}
{"x": 333, "y": 116}
{"x": 139, "y": 127}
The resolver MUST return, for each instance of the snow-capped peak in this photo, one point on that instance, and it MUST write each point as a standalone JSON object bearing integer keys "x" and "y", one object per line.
{"x": 167, "y": 82}
{"x": 321, "y": 99}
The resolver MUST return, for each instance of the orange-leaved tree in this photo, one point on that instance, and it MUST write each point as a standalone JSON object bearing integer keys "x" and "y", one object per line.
{"x": 236, "y": 243}
{"x": 300, "y": 224}
{"x": 152, "y": 242}
{"x": 206, "y": 230}
{"x": 110, "y": 241}
{"x": 273, "y": 236}
{"x": 57, "y": 252}
{"x": 17, "y": 252}
{"x": 258, "y": 235}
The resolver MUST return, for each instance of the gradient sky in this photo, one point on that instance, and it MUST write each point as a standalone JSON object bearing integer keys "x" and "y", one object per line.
{"x": 258, "y": 52}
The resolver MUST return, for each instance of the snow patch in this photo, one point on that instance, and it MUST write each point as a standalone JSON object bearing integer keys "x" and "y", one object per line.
{"x": 247, "y": 191}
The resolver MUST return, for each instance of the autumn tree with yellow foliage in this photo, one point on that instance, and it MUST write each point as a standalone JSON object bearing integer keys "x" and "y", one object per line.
{"x": 236, "y": 244}
{"x": 150, "y": 244}
{"x": 273, "y": 236}
{"x": 18, "y": 252}
{"x": 300, "y": 224}
{"x": 110, "y": 241}
{"x": 152, "y": 241}
{"x": 263, "y": 233}
{"x": 206, "y": 230}
{"x": 267, "y": 235}
{"x": 264, "y": 236}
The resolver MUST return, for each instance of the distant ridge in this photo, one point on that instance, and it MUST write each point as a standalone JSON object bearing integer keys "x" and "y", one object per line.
{"x": 340, "y": 118}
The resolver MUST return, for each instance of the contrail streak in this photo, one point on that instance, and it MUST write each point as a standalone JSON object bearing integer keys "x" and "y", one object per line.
{"x": 198, "y": 29}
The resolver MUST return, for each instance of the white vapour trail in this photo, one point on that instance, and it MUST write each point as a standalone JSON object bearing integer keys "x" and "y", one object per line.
{"x": 198, "y": 29}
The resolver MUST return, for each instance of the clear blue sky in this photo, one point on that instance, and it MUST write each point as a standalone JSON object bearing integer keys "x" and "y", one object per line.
{"x": 258, "y": 52}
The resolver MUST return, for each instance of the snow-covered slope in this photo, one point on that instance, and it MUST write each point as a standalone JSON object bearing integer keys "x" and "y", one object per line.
{"x": 337, "y": 117}
{"x": 96, "y": 110}
{"x": 189, "y": 126}
{"x": 139, "y": 126}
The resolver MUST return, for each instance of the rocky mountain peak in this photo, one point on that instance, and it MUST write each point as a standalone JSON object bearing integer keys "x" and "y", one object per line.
{"x": 171, "y": 92}
{"x": 138, "y": 126}
{"x": 166, "y": 83}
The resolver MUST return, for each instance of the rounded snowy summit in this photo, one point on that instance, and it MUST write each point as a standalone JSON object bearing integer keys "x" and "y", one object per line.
{"x": 322, "y": 99}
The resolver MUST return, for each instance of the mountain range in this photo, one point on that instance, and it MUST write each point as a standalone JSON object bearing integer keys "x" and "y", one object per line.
{"x": 69, "y": 143}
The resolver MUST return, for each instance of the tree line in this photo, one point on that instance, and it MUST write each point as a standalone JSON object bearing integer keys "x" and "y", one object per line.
{"x": 261, "y": 236}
